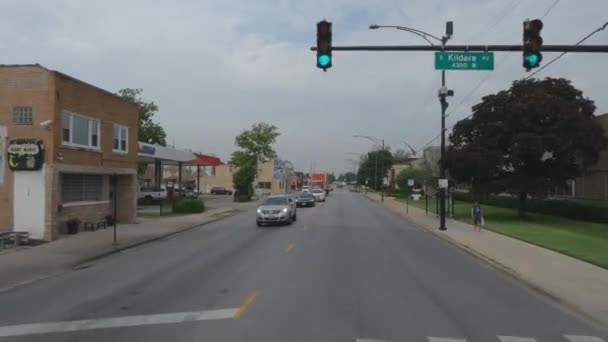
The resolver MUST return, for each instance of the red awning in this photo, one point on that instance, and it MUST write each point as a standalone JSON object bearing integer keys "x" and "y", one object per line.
{"x": 206, "y": 160}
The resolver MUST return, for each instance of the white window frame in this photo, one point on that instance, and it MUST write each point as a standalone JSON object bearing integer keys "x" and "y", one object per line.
{"x": 91, "y": 120}
{"x": 119, "y": 150}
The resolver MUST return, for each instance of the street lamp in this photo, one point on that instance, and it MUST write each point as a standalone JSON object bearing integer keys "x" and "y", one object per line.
{"x": 376, "y": 141}
{"x": 443, "y": 94}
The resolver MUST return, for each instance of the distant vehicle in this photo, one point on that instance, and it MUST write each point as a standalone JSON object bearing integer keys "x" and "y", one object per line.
{"x": 220, "y": 190}
{"x": 305, "y": 199}
{"x": 276, "y": 209}
{"x": 305, "y": 188}
{"x": 149, "y": 195}
{"x": 320, "y": 181}
{"x": 319, "y": 195}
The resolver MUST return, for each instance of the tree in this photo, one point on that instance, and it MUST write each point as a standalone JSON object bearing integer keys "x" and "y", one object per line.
{"x": 149, "y": 130}
{"x": 419, "y": 176}
{"x": 400, "y": 155}
{"x": 350, "y": 177}
{"x": 538, "y": 133}
{"x": 373, "y": 167}
{"x": 256, "y": 144}
{"x": 331, "y": 177}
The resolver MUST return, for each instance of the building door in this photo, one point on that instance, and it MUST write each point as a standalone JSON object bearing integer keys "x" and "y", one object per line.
{"x": 28, "y": 209}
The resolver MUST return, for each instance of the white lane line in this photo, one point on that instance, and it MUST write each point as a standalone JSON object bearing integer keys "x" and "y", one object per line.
{"x": 114, "y": 322}
{"x": 578, "y": 338}
{"x": 516, "y": 339}
{"x": 442, "y": 339}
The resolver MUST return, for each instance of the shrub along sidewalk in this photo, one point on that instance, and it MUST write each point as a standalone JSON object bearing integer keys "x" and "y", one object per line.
{"x": 586, "y": 241}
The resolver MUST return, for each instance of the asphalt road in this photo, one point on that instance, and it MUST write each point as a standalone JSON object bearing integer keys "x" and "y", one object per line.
{"x": 347, "y": 270}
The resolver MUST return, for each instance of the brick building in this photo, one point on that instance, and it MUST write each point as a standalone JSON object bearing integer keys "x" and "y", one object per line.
{"x": 65, "y": 146}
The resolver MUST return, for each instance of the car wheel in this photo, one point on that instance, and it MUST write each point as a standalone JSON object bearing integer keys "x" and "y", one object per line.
{"x": 148, "y": 200}
{"x": 313, "y": 205}
{"x": 258, "y": 223}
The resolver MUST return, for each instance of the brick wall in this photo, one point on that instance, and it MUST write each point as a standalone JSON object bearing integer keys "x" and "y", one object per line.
{"x": 28, "y": 86}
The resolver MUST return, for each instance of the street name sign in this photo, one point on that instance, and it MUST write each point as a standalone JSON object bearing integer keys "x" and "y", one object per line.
{"x": 447, "y": 60}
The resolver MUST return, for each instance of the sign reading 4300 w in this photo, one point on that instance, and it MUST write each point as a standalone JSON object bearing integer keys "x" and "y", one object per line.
{"x": 25, "y": 154}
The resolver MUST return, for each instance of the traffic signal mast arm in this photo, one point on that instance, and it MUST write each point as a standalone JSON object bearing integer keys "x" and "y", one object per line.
{"x": 476, "y": 48}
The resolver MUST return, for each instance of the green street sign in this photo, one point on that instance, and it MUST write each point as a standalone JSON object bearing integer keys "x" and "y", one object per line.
{"x": 464, "y": 60}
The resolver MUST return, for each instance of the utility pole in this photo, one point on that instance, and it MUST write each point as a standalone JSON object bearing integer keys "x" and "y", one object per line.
{"x": 382, "y": 170}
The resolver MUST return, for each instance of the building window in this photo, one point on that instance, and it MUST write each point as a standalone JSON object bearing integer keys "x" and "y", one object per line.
{"x": 264, "y": 185}
{"x": 79, "y": 130}
{"x": 22, "y": 116}
{"x": 121, "y": 136}
{"x": 81, "y": 188}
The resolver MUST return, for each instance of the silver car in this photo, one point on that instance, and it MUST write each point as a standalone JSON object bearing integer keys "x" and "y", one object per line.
{"x": 276, "y": 209}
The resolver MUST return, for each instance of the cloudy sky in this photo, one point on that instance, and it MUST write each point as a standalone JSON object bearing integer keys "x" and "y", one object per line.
{"x": 217, "y": 66}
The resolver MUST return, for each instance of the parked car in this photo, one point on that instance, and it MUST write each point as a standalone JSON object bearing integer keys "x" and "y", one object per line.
{"x": 319, "y": 195}
{"x": 305, "y": 188}
{"x": 276, "y": 209}
{"x": 305, "y": 199}
{"x": 220, "y": 190}
{"x": 149, "y": 195}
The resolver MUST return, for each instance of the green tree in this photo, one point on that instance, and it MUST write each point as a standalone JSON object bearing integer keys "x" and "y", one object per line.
{"x": 350, "y": 177}
{"x": 419, "y": 176}
{"x": 538, "y": 133}
{"x": 149, "y": 130}
{"x": 373, "y": 167}
{"x": 331, "y": 177}
{"x": 256, "y": 144}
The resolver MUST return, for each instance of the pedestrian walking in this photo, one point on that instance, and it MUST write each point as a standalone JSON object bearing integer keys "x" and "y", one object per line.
{"x": 477, "y": 217}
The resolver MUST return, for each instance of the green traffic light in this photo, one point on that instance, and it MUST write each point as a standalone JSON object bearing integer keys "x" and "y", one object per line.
{"x": 324, "y": 60}
{"x": 533, "y": 59}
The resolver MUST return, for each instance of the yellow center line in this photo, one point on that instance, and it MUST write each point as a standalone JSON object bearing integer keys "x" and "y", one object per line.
{"x": 289, "y": 248}
{"x": 245, "y": 304}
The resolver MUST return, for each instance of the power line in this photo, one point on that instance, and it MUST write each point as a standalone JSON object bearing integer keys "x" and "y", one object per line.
{"x": 601, "y": 28}
{"x": 550, "y": 9}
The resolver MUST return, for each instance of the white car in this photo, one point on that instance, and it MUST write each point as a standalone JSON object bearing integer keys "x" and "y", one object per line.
{"x": 319, "y": 195}
{"x": 305, "y": 188}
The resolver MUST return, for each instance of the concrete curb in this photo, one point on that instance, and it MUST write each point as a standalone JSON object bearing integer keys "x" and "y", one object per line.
{"x": 571, "y": 308}
{"x": 219, "y": 216}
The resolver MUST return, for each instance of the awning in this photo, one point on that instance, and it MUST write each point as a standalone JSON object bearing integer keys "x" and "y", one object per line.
{"x": 206, "y": 160}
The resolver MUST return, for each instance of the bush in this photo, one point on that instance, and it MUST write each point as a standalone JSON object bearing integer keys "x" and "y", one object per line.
{"x": 562, "y": 208}
{"x": 189, "y": 206}
{"x": 242, "y": 196}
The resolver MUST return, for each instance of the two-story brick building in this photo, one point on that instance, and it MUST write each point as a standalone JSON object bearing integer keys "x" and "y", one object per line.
{"x": 66, "y": 146}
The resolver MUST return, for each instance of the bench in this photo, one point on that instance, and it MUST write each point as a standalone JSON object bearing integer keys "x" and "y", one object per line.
{"x": 14, "y": 239}
{"x": 93, "y": 226}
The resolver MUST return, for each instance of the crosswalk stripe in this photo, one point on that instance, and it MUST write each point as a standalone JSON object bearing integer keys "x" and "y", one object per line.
{"x": 577, "y": 338}
{"x": 443, "y": 339}
{"x": 516, "y": 339}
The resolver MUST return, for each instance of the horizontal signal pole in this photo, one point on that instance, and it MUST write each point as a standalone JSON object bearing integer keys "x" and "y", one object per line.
{"x": 475, "y": 48}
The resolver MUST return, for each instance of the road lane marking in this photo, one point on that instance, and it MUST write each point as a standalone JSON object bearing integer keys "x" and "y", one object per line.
{"x": 289, "y": 248}
{"x": 443, "y": 339}
{"x": 245, "y": 304}
{"x": 516, "y": 339}
{"x": 115, "y": 322}
{"x": 577, "y": 338}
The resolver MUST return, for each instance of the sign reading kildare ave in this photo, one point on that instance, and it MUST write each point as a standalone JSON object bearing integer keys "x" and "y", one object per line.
{"x": 25, "y": 154}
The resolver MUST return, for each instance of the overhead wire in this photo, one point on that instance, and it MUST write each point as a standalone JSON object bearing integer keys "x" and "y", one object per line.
{"x": 483, "y": 80}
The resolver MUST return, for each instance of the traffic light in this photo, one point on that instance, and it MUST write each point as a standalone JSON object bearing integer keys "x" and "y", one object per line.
{"x": 532, "y": 44}
{"x": 324, "y": 45}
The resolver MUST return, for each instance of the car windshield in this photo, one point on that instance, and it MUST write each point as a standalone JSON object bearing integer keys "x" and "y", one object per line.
{"x": 305, "y": 195}
{"x": 275, "y": 201}
{"x": 318, "y": 191}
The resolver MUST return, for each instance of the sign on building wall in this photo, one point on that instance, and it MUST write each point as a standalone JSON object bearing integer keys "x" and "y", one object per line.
{"x": 3, "y": 140}
{"x": 279, "y": 170}
{"x": 25, "y": 154}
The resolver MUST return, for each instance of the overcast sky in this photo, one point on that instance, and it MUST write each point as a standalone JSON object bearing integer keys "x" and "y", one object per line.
{"x": 216, "y": 67}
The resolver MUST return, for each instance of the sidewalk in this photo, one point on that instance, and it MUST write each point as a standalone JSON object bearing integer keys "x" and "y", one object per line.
{"x": 28, "y": 264}
{"x": 575, "y": 283}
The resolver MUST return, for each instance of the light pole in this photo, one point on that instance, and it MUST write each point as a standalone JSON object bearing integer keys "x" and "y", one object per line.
{"x": 376, "y": 141}
{"x": 443, "y": 94}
